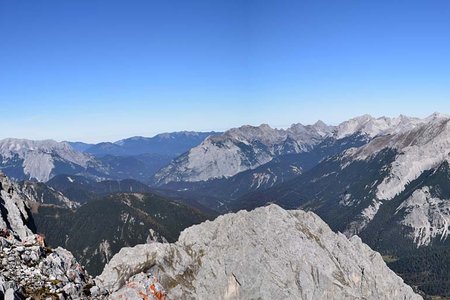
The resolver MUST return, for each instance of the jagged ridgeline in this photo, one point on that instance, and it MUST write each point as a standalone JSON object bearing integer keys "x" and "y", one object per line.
{"x": 384, "y": 179}
{"x": 133, "y": 158}
{"x": 225, "y": 167}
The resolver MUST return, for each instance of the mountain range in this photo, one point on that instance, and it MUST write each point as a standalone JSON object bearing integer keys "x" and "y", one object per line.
{"x": 392, "y": 192}
{"x": 166, "y": 144}
{"x": 383, "y": 179}
{"x": 137, "y": 158}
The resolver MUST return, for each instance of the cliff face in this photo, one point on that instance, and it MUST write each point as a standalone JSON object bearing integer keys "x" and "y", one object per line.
{"x": 268, "y": 253}
{"x": 15, "y": 213}
{"x": 27, "y": 267}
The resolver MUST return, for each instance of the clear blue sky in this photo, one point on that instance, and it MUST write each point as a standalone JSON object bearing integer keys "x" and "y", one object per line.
{"x": 96, "y": 70}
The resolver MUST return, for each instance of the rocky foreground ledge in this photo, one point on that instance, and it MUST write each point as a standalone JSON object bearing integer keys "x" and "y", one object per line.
{"x": 268, "y": 253}
{"x": 29, "y": 269}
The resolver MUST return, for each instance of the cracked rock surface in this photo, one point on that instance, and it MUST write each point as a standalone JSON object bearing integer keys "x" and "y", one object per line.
{"x": 268, "y": 253}
{"x": 29, "y": 269}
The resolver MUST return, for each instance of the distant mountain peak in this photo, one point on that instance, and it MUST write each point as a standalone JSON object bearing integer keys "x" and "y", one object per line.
{"x": 39, "y": 158}
{"x": 423, "y": 147}
{"x": 169, "y": 144}
{"x": 320, "y": 123}
{"x": 370, "y": 126}
{"x": 247, "y": 147}
{"x": 437, "y": 115}
{"x": 240, "y": 149}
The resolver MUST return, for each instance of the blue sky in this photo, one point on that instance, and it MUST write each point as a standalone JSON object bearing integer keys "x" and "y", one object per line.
{"x": 96, "y": 70}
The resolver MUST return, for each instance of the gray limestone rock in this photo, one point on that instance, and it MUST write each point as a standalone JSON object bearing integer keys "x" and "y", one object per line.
{"x": 268, "y": 253}
{"x": 27, "y": 267}
{"x": 15, "y": 212}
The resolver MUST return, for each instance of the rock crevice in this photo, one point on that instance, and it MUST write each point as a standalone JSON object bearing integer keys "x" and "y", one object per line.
{"x": 268, "y": 253}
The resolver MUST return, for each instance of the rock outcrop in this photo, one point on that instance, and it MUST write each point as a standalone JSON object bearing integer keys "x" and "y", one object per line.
{"x": 27, "y": 267}
{"x": 268, "y": 253}
{"x": 15, "y": 213}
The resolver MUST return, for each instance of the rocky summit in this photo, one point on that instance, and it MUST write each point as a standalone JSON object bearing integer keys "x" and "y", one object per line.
{"x": 268, "y": 253}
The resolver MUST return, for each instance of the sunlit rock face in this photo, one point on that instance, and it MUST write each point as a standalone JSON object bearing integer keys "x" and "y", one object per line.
{"x": 241, "y": 149}
{"x": 268, "y": 253}
{"x": 15, "y": 213}
{"x": 247, "y": 147}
